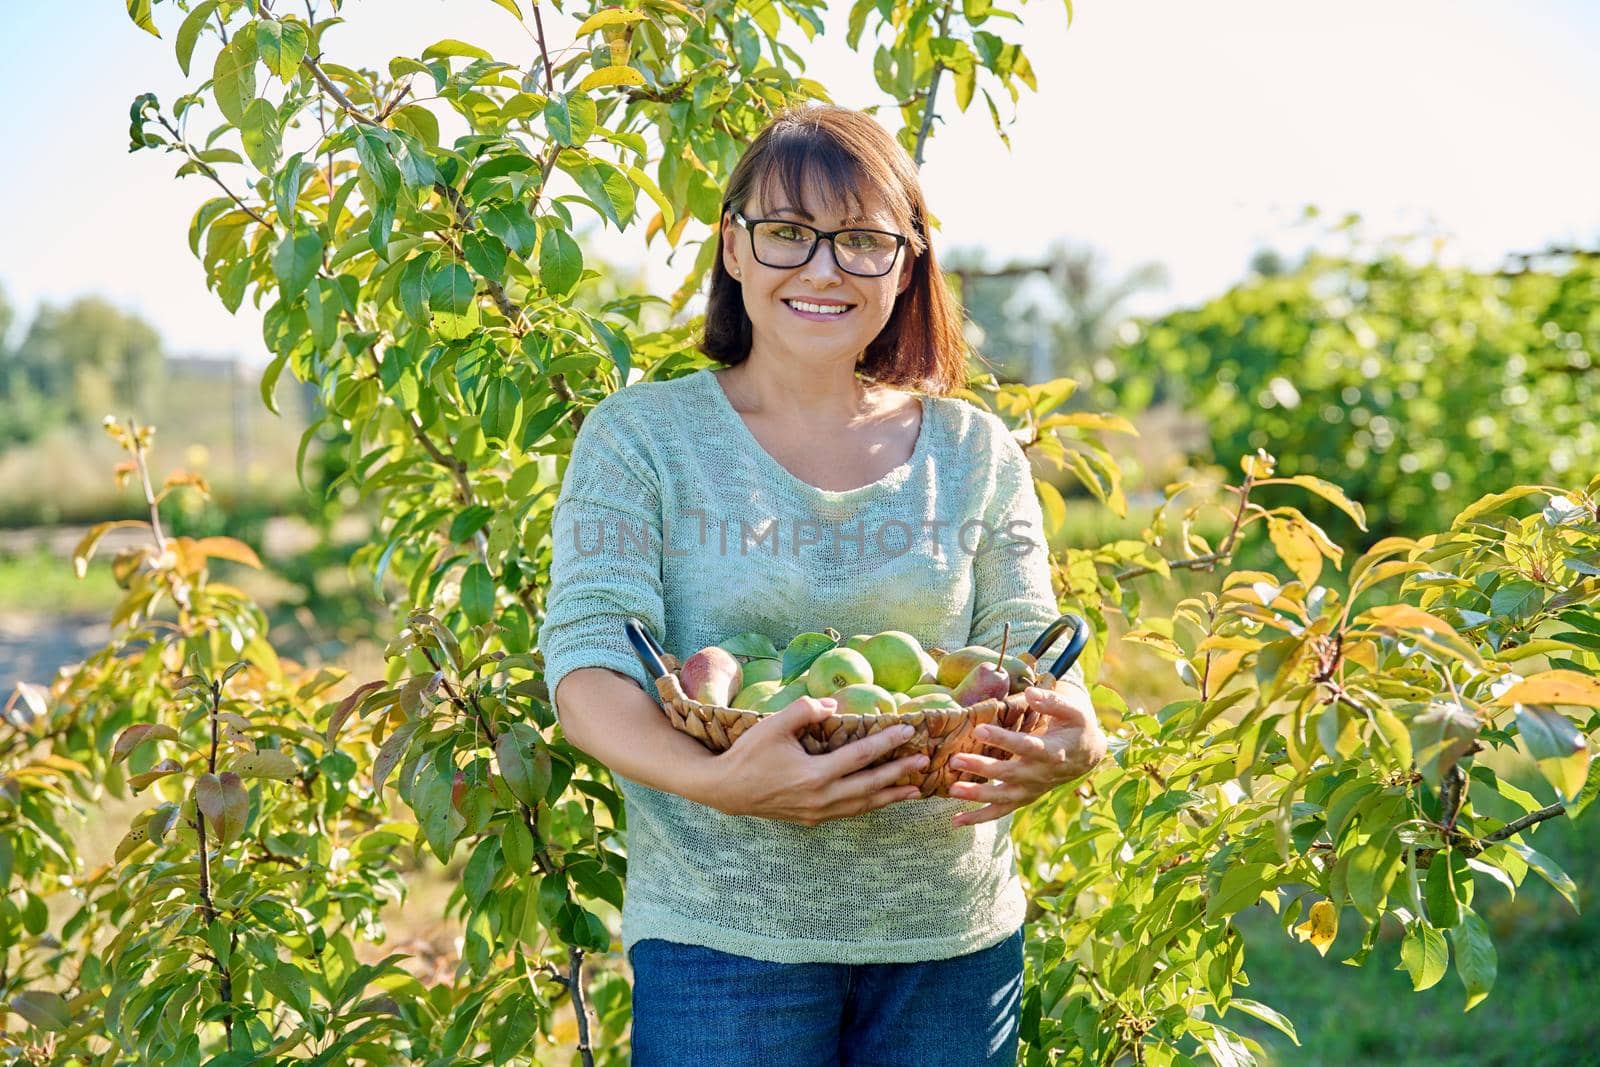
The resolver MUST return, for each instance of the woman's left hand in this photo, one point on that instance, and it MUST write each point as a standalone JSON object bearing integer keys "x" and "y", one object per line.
{"x": 1069, "y": 748}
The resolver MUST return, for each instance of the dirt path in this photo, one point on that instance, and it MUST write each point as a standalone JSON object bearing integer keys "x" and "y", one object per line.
{"x": 33, "y": 646}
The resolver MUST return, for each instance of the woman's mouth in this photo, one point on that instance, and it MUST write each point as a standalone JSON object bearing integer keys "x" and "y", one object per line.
{"x": 818, "y": 312}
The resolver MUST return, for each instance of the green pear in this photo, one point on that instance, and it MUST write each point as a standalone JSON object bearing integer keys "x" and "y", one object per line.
{"x": 925, "y": 688}
{"x": 782, "y": 698}
{"x": 896, "y": 660}
{"x": 864, "y": 698}
{"x": 931, "y": 702}
{"x": 856, "y": 641}
{"x": 762, "y": 669}
{"x": 835, "y": 669}
{"x": 900, "y": 698}
{"x": 754, "y": 695}
{"x": 930, "y": 668}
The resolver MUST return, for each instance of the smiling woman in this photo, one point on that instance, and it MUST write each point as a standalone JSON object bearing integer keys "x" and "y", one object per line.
{"x": 813, "y": 910}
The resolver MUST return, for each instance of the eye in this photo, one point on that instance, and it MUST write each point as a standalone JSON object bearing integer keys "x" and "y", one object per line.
{"x": 788, "y": 233}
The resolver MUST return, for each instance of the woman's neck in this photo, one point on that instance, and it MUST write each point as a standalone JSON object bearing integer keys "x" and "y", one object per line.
{"x": 832, "y": 397}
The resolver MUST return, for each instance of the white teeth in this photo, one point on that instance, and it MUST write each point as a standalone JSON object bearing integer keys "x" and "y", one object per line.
{"x": 821, "y": 309}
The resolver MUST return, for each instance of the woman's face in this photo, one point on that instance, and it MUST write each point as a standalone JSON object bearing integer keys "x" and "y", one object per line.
{"x": 797, "y": 336}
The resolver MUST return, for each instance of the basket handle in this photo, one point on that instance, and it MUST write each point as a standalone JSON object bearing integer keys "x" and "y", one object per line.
{"x": 1075, "y": 646}
{"x": 645, "y": 646}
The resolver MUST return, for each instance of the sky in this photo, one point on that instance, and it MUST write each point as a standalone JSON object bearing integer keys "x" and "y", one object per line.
{"x": 1188, "y": 134}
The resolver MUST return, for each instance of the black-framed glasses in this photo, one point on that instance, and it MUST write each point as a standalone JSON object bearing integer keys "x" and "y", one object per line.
{"x": 785, "y": 244}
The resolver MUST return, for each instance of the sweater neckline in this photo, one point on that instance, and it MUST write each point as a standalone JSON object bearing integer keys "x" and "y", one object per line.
{"x": 890, "y": 481}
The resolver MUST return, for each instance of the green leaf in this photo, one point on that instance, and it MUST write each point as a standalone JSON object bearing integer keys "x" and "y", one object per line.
{"x": 189, "y": 32}
{"x": 450, "y": 289}
{"x": 452, "y": 47}
{"x": 1444, "y": 908}
{"x": 513, "y": 225}
{"x": 487, "y": 255}
{"x": 516, "y": 844}
{"x": 47, "y": 1011}
{"x": 1560, "y": 748}
{"x": 801, "y": 651}
{"x": 570, "y": 118}
{"x": 261, "y": 135}
{"x": 500, "y": 410}
{"x": 1272, "y": 1018}
{"x": 413, "y": 289}
{"x": 524, "y": 762}
{"x": 234, "y": 75}
{"x": 441, "y": 823}
{"x": 282, "y": 45}
{"x": 560, "y": 262}
{"x": 1517, "y": 600}
{"x": 470, "y": 521}
{"x": 1241, "y": 886}
{"x": 1425, "y": 955}
{"x": 295, "y": 261}
{"x": 477, "y": 594}
{"x": 1549, "y": 870}
{"x": 1475, "y": 957}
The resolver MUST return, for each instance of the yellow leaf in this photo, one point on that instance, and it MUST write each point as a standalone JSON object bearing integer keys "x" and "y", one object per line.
{"x": 137, "y": 835}
{"x": 1555, "y": 687}
{"x": 612, "y": 75}
{"x": 1323, "y": 925}
{"x": 610, "y": 16}
{"x": 269, "y": 764}
{"x": 160, "y": 770}
{"x": 230, "y": 549}
{"x": 137, "y": 734}
{"x": 1297, "y": 548}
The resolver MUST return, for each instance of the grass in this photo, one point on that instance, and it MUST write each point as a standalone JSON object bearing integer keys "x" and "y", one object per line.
{"x": 37, "y": 581}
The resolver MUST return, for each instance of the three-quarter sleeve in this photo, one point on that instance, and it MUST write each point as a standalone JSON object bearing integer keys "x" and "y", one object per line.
{"x": 605, "y": 551}
{"x": 1011, "y": 569}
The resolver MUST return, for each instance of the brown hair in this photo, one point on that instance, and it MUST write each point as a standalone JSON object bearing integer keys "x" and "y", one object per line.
{"x": 847, "y": 152}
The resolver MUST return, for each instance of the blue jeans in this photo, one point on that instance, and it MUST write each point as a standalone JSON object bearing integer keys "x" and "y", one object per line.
{"x": 698, "y": 1007}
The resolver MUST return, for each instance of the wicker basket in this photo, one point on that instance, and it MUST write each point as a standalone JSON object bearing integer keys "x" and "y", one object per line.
{"x": 940, "y": 734}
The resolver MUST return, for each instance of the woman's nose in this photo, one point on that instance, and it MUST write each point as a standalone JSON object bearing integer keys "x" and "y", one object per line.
{"x": 820, "y": 267}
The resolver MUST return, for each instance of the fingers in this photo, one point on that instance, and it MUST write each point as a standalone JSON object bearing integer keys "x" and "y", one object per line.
{"x": 1058, "y": 706}
{"x": 1010, "y": 740}
{"x": 864, "y": 752}
{"x": 985, "y": 814}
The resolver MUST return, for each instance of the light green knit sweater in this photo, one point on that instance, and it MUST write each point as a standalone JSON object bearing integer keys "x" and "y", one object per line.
{"x": 671, "y": 511}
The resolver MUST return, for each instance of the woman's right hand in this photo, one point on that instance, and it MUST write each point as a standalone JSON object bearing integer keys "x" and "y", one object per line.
{"x": 767, "y": 773}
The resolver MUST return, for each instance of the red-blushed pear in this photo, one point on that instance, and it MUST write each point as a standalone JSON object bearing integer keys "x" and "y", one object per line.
{"x": 896, "y": 660}
{"x": 835, "y": 669}
{"x": 711, "y": 676}
{"x": 985, "y": 681}
{"x": 864, "y": 699}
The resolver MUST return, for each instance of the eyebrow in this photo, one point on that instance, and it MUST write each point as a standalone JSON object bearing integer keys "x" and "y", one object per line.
{"x": 852, "y": 220}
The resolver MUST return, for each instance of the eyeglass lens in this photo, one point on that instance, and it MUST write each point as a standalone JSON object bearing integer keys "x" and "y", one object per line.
{"x": 864, "y": 252}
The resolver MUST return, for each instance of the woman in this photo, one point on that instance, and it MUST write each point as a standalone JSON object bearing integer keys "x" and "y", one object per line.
{"x": 784, "y": 908}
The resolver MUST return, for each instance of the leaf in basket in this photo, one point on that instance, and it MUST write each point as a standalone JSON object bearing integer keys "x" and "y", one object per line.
{"x": 750, "y": 645}
{"x": 802, "y": 651}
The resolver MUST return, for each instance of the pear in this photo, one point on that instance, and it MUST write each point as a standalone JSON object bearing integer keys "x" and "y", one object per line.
{"x": 984, "y": 682}
{"x": 930, "y": 669}
{"x": 900, "y": 699}
{"x": 857, "y": 642}
{"x": 711, "y": 676}
{"x": 754, "y": 695}
{"x": 930, "y": 702}
{"x": 782, "y": 698}
{"x": 958, "y": 664}
{"x": 864, "y": 698}
{"x": 896, "y": 660}
{"x": 762, "y": 669}
{"x": 927, "y": 687}
{"x": 835, "y": 669}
